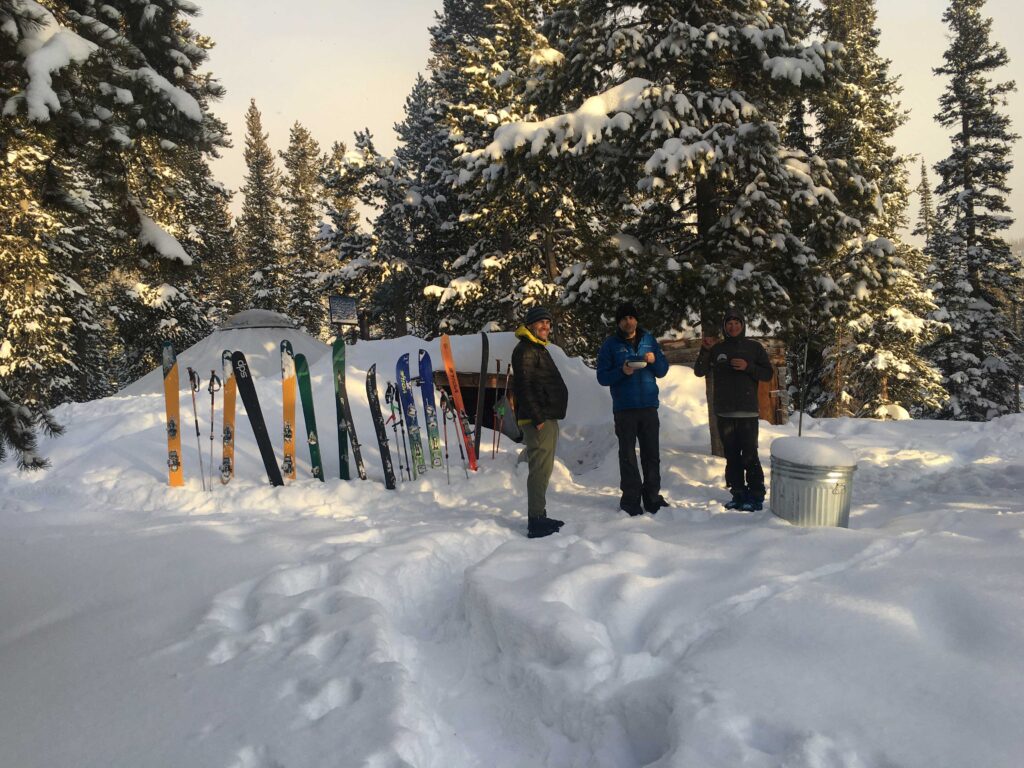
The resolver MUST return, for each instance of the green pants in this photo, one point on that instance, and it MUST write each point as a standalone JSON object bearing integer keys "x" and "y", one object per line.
{"x": 540, "y": 451}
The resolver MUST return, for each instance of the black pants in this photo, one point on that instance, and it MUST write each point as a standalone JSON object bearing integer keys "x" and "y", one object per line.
{"x": 739, "y": 438}
{"x": 630, "y": 426}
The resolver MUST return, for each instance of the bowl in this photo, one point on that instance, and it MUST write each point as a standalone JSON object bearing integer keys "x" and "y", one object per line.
{"x": 637, "y": 364}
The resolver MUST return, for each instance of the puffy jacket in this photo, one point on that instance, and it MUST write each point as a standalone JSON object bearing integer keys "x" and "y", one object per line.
{"x": 639, "y": 390}
{"x": 735, "y": 391}
{"x": 540, "y": 392}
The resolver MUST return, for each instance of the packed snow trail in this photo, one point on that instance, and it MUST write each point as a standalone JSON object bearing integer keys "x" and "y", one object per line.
{"x": 338, "y": 623}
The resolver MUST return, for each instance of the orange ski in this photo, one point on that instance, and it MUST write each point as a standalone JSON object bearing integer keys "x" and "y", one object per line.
{"x": 460, "y": 409}
{"x": 175, "y": 472}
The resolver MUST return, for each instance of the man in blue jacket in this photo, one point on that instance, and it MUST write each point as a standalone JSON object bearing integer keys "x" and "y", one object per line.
{"x": 630, "y": 363}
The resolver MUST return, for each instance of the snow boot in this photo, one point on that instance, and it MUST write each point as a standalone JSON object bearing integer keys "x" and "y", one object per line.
{"x": 538, "y": 527}
{"x": 655, "y": 505}
{"x": 633, "y": 510}
{"x": 752, "y": 504}
{"x": 737, "y": 501}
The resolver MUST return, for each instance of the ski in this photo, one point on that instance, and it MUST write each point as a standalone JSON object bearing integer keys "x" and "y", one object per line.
{"x": 456, "y": 395}
{"x": 227, "y": 464}
{"x": 247, "y": 391}
{"x": 408, "y": 402}
{"x": 309, "y": 415}
{"x": 480, "y": 391}
{"x": 426, "y": 381}
{"x": 172, "y": 406}
{"x": 338, "y": 363}
{"x": 380, "y": 427}
{"x": 288, "y": 391}
{"x": 343, "y": 409}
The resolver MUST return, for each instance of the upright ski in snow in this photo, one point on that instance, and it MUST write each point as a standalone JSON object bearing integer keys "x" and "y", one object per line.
{"x": 247, "y": 391}
{"x": 288, "y": 391}
{"x": 227, "y": 464}
{"x": 408, "y": 402}
{"x": 456, "y": 396}
{"x": 380, "y": 427}
{"x": 309, "y": 415}
{"x": 480, "y": 390}
{"x": 338, "y": 363}
{"x": 343, "y": 411}
{"x": 426, "y": 381}
{"x": 172, "y": 406}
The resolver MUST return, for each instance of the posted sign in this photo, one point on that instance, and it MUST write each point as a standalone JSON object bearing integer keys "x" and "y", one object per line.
{"x": 343, "y": 310}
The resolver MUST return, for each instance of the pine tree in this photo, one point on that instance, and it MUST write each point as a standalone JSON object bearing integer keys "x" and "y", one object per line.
{"x": 667, "y": 122}
{"x": 303, "y": 197}
{"x": 36, "y": 341}
{"x": 883, "y": 319}
{"x": 521, "y": 228}
{"x": 926, "y": 208}
{"x": 977, "y": 279}
{"x": 259, "y": 226}
{"x": 129, "y": 98}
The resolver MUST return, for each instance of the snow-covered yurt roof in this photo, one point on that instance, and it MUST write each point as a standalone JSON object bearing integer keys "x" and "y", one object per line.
{"x": 251, "y": 332}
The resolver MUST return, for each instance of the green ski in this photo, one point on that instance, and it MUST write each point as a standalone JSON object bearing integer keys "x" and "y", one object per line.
{"x": 306, "y": 395}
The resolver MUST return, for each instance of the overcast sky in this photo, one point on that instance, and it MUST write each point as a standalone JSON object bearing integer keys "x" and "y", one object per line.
{"x": 338, "y": 66}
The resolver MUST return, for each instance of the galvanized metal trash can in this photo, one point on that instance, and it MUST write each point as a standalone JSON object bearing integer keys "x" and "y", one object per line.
{"x": 812, "y": 481}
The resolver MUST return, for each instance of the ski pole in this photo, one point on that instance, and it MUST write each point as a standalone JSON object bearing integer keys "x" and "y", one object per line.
{"x": 494, "y": 411}
{"x": 504, "y": 402}
{"x": 444, "y": 421}
{"x": 460, "y": 427}
{"x": 391, "y": 396}
{"x": 193, "y": 380}
{"x": 213, "y": 388}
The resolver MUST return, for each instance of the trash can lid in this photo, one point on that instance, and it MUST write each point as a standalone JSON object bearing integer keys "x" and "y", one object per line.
{"x": 813, "y": 452}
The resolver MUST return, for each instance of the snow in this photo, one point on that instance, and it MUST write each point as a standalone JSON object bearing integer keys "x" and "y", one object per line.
{"x": 597, "y": 116}
{"x": 165, "y": 244}
{"x": 47, "y": 48}
{"x": 339, "y": 623}
{"x": 813, "y": 452}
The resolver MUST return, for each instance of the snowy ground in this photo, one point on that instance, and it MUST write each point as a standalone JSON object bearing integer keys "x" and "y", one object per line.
{"x": 340, "y": 624}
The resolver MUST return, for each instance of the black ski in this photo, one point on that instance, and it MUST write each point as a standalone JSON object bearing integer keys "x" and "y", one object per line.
{"x": 247, "y": 391}
{"x": 380, "y": 427}
{"x": 347, "y": 425}
{"x": 481, "y": 388}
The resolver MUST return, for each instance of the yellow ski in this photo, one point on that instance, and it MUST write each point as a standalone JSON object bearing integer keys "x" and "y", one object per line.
{"x": 227, "y": 464}
{"x": 289, "y": 388}
{"x": 175, "y": 472}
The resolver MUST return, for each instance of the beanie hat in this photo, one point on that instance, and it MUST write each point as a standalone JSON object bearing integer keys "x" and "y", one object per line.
{"x": 625, "y": 309}
{"x": 535, "y": 314}
{"x": 734, "y": 314}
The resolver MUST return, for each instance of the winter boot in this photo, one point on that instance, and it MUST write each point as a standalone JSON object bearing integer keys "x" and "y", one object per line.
{"x": 655, "y": 505}
{"x": 538, "y": 527}
{"x": 633, "y": 510}
{"x": 739, "y": 498}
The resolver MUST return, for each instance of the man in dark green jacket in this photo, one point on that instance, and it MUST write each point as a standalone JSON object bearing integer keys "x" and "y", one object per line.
{"x": 541, "y": 400}
{"x": 739, "y": 365}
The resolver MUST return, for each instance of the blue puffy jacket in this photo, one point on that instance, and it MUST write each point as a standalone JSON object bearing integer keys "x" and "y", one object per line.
{"x": 639, "y": 390}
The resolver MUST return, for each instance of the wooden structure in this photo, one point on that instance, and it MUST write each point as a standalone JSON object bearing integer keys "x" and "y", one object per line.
{"x": 773, "y": 402}
{"x": 469, "y": 382}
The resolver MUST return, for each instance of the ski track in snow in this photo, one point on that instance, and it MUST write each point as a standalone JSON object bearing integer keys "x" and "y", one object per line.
{"x": 421, "y": 628}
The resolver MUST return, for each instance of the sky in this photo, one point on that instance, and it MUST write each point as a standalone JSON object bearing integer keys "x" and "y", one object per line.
{"x": 341, "y": 66}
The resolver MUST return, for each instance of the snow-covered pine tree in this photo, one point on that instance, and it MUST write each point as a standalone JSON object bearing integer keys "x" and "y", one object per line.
{"x": 926, "y": 207}
{"x": 36, "y": 341}
{"x": 874, "y": 362}
{"x": 211, "y": 235}
{"x": 118, "y": 90}
{"x": 675, "y": 124}
{"x": 259, "y": 226}
{"x": 304, "y": 264}
{"x": 521, "y": 228}
{"x": 977, "y": 278}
